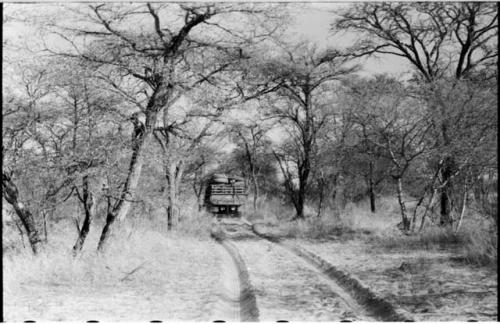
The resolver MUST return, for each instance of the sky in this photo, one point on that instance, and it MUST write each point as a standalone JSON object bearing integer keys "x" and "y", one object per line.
{"x": 313, "y": 23}
{"x": 310, "y": 21}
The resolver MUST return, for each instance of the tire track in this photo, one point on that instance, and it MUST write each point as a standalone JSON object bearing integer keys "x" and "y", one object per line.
{"x": 374, "y": 304}
{"x": 225, "y": 305}
{"x": 238, "y": 295}
{"x": 236, "y": 230}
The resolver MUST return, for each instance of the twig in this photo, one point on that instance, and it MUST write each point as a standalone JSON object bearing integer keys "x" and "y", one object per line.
{"x": 133, "y": 271}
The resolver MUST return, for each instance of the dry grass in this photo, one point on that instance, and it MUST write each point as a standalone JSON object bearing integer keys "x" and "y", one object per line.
{"x": 430, "y": 285}
{"x": 481, "y": 247}
{"x": 476, "y": 241}
{"x": 268, "y": 211}
{"x": 171, "y": 274}
{"x": 194, "y": 223}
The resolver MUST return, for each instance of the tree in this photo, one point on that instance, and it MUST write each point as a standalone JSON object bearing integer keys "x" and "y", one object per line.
{"x": 363, "y": 157}
{"x": 147, "y": 66}
{"x": 471, "y": 113}
{"x": 24, "y": 153}
{"x": 396, "y": 124}
{"x": 86, "y": 110}
{"x": 178, "y": 146}
{"x": 251, "y": 139}
{"x": 197, "y": 171}
{"x": 439, "y": 40}
{"x": 297, "y": 84}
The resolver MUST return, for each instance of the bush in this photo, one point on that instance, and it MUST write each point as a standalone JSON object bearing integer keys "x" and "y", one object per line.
{"x": 270, "y": 211}
{"x": 481, "y": 247}
{"x": 476, "y": 241}
{"x": 194, "y": 223}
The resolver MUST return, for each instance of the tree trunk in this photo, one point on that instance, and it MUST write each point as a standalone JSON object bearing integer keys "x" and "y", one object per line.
{"x": 290, "y": 189}
{"x": 200, "y": 202}
{"x": 170, "y": 216}
{"x": 464, "y": 206}
{"x": 45, "y": 234}
{"x": 199, "y": 197}
{"x": 299, "y": 207}
{"x": 446, "y": 218}
{"x": 121, "y": 208}
{"x": 88, "y": 201}
{"x": 431, "y": 201}
{"x": 19, "y": 228}
{"x": 174, "y": 178}
{"x": 371, "y": 188}
{"x": 321, "y": 184}
{"x": 406, "y": 221}
{"x": 300, "y": 198}
{"x": 172, "y": 201}
{"x": 198, "y": 191}
{"x": 33, "y": 232}
{"x": 303, "y": 177}
{"x": 255, "y": 190}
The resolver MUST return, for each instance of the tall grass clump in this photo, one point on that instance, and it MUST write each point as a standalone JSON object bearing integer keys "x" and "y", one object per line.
{"x": 195, "y": 223}
{"x": 359, "y": 218}
{"x": 475, "y": 241}
{"x": 56, "y": 265}
{"x": 314, "y": 228}
{"x": 139, "y": 241}
{"x": 431, "y": 238}
{"x": 269, "y": 211}
{"x": 481, "y": 246}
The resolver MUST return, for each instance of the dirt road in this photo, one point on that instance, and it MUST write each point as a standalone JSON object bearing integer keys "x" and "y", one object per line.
{"x": 285, "y": 284}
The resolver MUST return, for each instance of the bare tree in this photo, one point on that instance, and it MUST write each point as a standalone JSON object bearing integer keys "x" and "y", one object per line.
{"x": 439, "y": 40}
{"x": 178, "y": 146}
{"x": 148, "y": 68}
{"x": 394, "y": 122}
{"x": 361, "y": 156}
{"x": 24, "y": 152}
{"x": 11, "y": 194}
{"x": 197, "y": 171}
{"x": 251, "y": 138}
{"x": 300, "y": 81}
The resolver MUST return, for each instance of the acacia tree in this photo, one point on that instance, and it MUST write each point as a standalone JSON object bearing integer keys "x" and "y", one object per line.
{"x": 26, "y": 153}
{"x": 251, "y": 139}
{"x": 51, "y": 142}
{"x": 472, "y": 110}
{"x": 146, "y": 65}
{"x": 87, "y": 112}
{"x": 452, "y": 40}
{"x": 197, "y": 170}
{"x": 363, "y": 157}
{"x": 178, "y": 146}
{"x": 297, "y": 86}
{"x": 396, "y": 124}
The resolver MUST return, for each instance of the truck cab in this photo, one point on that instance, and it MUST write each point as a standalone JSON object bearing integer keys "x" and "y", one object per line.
{"x": 224, "y": 194}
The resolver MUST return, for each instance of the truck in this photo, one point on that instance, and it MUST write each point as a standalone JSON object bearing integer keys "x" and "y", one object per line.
{"x": 224, "y": 194}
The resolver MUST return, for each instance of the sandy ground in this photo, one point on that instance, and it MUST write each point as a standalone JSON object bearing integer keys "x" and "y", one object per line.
{"x": 178, "y": 282}
{"x": 182, "y": 279}
{"x": 287, "y": 289}
{"x": 427, "y": 284}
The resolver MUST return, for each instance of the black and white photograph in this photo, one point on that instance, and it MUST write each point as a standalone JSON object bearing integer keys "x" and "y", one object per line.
{"x": 249, "y": 162}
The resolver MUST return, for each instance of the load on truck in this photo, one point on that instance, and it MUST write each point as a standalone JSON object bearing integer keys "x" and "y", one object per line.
{"x": 224, "y": 194}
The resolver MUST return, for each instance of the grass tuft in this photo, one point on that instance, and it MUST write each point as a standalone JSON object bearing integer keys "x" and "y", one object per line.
{"x": 476, "y": 241}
